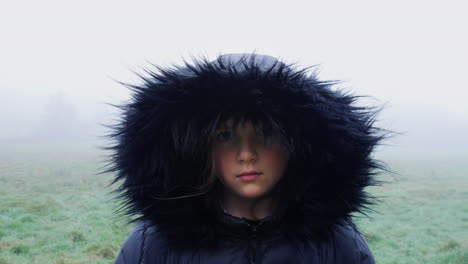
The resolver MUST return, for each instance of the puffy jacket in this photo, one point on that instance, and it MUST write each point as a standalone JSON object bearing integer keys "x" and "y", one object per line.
{"x": 161, "y": 158}
{"x": 249, "y": 242}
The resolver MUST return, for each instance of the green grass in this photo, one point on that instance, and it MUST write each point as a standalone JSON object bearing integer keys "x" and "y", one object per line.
{"x": 424, "y": 214}
{"x": 55, "y": 209}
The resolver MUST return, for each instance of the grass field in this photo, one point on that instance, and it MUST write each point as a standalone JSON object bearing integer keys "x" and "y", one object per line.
{"x": 55, "y": 209}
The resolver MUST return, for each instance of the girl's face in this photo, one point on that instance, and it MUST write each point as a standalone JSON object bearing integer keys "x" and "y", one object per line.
{"x": 248, "y": 165}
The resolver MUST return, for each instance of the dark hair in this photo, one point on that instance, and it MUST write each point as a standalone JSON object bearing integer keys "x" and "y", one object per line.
{"x": 162, "y": 148}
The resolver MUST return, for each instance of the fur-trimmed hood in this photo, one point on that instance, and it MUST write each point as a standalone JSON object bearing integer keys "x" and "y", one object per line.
{"x": 162, "y": 143}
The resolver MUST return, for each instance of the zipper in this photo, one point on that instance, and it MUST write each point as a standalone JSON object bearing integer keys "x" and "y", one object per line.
{"x": 253, "y": 242}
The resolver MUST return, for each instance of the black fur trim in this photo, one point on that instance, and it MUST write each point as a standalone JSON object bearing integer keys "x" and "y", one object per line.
{"x": 162, "y": 143}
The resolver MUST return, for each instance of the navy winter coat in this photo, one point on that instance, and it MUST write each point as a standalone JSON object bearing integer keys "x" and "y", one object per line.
{"x": 162, "y": 160}
{"x": 248, "y": 242}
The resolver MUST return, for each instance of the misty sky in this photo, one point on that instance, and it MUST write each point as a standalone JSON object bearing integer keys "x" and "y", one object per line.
{"x": 59, "y": 60}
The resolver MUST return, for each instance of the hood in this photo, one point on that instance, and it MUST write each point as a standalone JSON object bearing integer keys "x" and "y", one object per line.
{"x": 161, "y": 151}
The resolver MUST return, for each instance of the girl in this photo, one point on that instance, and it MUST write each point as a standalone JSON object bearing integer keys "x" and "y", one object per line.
{"x": 244, "y": 159}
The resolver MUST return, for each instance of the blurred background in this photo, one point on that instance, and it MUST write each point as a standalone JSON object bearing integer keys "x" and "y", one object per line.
{"x": 60, "y": 60}
{"x": 61, "y": 63}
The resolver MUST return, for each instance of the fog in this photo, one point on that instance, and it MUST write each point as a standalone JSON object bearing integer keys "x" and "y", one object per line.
{"x": 60, "y": 61}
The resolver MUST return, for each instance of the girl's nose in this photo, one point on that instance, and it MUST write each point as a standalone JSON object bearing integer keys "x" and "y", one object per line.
{"x": 247, "y": 151}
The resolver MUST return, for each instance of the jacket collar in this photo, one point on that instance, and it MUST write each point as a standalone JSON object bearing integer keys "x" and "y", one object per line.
{"x": 241, "y": 227}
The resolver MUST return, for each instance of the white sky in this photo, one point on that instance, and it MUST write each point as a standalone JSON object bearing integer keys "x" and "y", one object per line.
{"x": 411, "y": 55}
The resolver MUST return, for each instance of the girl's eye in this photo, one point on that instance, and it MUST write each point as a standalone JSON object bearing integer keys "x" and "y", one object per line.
{"x": 224, "y": 136}
{"x": 267, "y": 136}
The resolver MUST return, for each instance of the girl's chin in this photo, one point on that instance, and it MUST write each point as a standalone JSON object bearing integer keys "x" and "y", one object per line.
{"x": 248, "y": 192}
{"x": 253, "y": 193}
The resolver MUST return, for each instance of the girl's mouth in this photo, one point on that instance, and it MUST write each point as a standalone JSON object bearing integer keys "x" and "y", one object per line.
{"x": 249, "y": 175}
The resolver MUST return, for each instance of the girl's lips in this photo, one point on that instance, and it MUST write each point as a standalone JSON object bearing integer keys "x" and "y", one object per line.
{"x": 249, "y": 177}
{"x": 249, "y": 173}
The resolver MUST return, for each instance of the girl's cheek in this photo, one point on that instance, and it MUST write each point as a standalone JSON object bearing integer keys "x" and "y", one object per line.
{"x": 226, "y": 161}
{"x": 223, "y": 161}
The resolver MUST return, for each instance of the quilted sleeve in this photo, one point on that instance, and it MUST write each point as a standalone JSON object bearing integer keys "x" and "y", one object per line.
{"x": 351, "y": 247}
{"x": 132, "y": 250}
